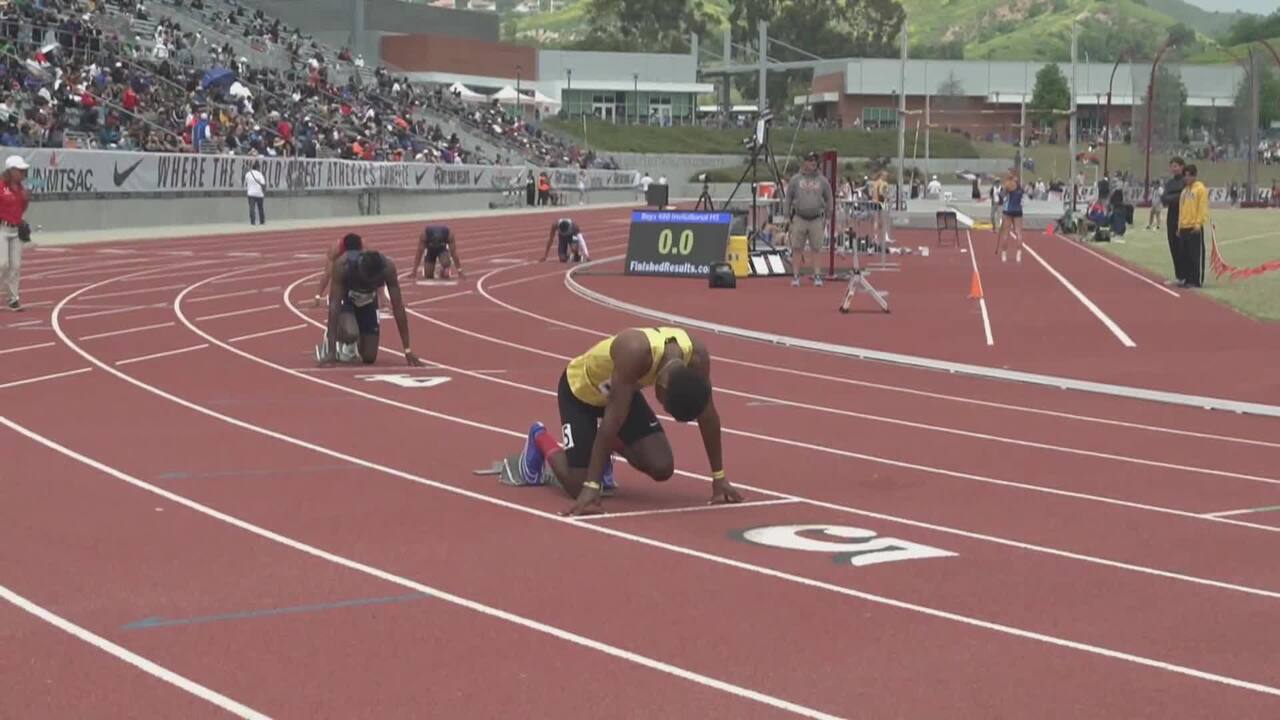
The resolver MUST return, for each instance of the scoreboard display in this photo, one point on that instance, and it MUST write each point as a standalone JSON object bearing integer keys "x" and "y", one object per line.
{"x": 676, "y": 243}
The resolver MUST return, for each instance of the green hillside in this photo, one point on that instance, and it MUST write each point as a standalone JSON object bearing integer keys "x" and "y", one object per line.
{"x": 988, "y": 29}
{"x": 1209, "y": 23}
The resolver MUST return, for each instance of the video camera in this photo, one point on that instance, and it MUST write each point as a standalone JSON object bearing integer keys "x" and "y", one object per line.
{"x": 761, "y": 136}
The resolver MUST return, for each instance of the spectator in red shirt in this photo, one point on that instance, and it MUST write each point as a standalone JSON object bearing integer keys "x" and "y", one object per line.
{"x": 14, "y": 198}
{"x": 129, "y": 100}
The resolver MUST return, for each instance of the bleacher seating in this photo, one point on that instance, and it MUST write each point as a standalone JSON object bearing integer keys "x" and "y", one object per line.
{"x": 213, "y": 76}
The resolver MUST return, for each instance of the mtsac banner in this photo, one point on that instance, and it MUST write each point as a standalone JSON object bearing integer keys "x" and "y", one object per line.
{"x": 56, "y": 171}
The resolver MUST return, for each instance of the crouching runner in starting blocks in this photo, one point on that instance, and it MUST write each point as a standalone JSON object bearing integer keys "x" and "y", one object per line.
{"x": 602, "y": 411}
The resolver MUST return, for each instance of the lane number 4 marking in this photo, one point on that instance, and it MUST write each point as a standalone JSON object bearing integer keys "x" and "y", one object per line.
{"x": 845, "y": 544}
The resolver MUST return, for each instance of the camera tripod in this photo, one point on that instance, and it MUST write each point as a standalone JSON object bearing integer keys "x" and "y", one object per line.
{"x": 704, "y": 200}
{"x": 759, "y": 150}
{"x": 858, "y": 281}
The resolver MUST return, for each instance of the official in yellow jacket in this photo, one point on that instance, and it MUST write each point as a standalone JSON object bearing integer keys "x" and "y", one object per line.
{"x": 1193, "y": 217}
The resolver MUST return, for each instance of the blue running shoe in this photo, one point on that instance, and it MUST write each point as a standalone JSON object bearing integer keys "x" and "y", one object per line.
{"x": 531, "y": 457}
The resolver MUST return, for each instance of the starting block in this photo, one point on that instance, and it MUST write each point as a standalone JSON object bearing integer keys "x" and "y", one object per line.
{"x": 507, "y": 470}
{"x": 768, "y": 263}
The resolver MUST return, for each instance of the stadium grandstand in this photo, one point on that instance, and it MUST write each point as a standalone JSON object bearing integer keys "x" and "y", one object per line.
{"x": 214, "y": 77}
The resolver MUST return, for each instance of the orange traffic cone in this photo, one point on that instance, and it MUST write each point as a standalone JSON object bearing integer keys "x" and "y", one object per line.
{"x": 975, "y": 287}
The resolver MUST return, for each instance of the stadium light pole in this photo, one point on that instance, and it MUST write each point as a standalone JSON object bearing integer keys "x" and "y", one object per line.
{"x": 1151, "y": 94}
{"x": 1071, "y": 117}
{"x": 1106, "y": 150}
{"x": 902, "y": 113}
{"x": 519, "y": 97}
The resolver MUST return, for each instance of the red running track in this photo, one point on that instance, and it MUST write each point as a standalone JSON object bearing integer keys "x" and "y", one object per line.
{"x": 188, "y": 488}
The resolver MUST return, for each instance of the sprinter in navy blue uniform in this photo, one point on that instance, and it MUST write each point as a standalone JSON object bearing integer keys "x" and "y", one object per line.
{"x": 358, "y": 275}
{"x": 437, "y": 244}
{"x": 572, "y": 243}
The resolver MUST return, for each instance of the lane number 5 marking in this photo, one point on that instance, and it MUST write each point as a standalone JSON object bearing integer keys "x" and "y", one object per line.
{"x": 845, "y": 544}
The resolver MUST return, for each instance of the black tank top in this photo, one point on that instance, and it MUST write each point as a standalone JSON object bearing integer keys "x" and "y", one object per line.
{"x": 437, "y": 237}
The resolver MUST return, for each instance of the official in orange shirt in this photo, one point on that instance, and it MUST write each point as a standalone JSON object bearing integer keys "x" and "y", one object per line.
{"x": 14, "y": 199}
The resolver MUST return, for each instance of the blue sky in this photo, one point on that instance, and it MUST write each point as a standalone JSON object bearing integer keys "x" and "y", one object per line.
{"x": 1262, "y": 7}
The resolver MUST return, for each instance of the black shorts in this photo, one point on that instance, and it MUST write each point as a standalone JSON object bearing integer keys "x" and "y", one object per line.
{"x": 579, "y": 422}
{"x": 434, "y": 254}
{"x": 567, "y": 245}
{"x": 366, "y": 316}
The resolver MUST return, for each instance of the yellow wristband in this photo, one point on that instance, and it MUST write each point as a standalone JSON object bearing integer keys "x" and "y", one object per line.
{"x": 717, "y": 475}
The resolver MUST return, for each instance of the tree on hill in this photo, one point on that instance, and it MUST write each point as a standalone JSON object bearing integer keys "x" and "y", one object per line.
{"x": 1252, "y": 28}
{"x": 827, "y": 28}
{"x": 643, "y": 25}
{"x": 1051, "y": 95}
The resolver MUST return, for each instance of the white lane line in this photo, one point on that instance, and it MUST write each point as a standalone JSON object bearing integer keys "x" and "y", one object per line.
{"x": 132, "y": 292}
{"x": 115, "y": 311}
{"x": 531, "y": 278}
{"x": 139, "y": 662}
{"x": 481, "y": 288}
{"x": 692, "y": 508}
{"x": 807, "y": 446}
{"x": 27, "y": 347}
{"x": 487, "y": 610}
{"x": 127, "y": 331}
{"x": 818, "y": 503}
{"x": 235, "y": 313}
{"x": 265, "y": 333}
{"x": 1246, "y": 511}
{"x": 256, "y": 277}
{"x": 764, "y": 571}
{"x": 237, "y": 293}
{"x": 68, "y": 286}
{"x": 438, "y": 298}
{"x": 167, "y": 353}
{"x": 42, "y": 378}
{"x": 1117, "y": 265}
{"x": 1089, "y": 304}
{"x": 982, "y": 301}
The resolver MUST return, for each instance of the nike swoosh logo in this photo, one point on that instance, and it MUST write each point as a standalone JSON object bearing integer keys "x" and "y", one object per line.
{"x": 120, "y": 177}
{"x": 418, "y": 180}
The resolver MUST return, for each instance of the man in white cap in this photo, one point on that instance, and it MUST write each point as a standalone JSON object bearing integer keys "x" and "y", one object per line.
{"x": 14, "y": 231}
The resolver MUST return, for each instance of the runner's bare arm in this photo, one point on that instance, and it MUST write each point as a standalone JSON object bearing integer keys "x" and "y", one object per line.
{"x": 546, "y": 252}
{"x": 417, "y": 258}
{"x": 326, "y": 272}
{"x": 453, "y": 253}
{"x": 709, "y": 428}
{"x": 337, "y": 290}
{"x": 397, "y": 309}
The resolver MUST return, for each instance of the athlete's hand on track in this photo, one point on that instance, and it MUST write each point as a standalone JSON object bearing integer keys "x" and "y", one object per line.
{"x": 589, "y": 501}
{"x": 722, "y": 491}
{"x": 413, "y": 360}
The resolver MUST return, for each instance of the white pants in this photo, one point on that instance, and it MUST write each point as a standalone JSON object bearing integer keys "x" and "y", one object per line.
{"x": 11, "y": 271}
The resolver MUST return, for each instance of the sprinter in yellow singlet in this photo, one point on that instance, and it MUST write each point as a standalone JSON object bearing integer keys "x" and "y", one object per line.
{"x": 603, "y": 385}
